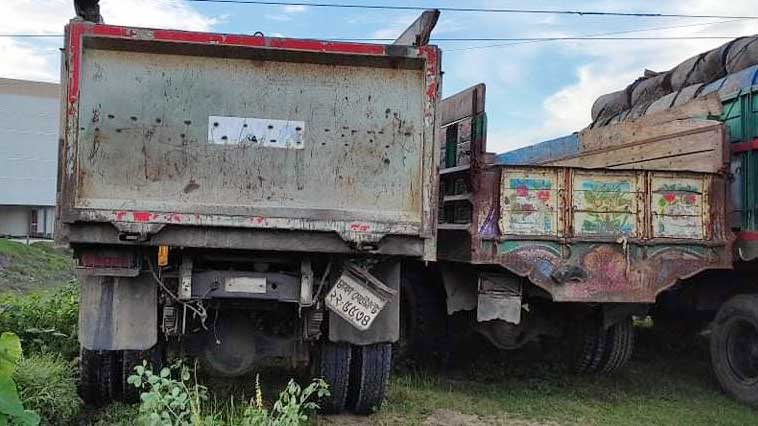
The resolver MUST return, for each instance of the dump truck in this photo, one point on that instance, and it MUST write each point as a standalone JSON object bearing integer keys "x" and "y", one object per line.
{"x": 572, "y": 252}
{"x": 242, "y": 198}
{"x": 649, "y": 211}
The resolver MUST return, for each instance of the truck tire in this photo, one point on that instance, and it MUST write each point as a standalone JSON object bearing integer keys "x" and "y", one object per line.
{"x": 99, "y": 379}
{"x": 734, "y": 348}
{"x": 589, "y": 346}
{"x": 369, "y": 375}
{"x": 333, "y": 365}
{"x": 619, "y": 344}
{"x": 423, "y": 317}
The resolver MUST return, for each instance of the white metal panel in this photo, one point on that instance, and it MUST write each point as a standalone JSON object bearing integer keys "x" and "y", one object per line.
{"x": 28, "y": 144}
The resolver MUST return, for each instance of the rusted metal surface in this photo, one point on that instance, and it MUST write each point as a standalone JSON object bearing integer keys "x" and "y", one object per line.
{"x": 608, "y": 236}
{"x": 590, "y": 235}
{"x": 213, "y": 130}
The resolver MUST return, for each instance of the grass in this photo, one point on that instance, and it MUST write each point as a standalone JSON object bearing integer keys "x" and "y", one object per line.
{"x": 663, "y": 385}
{"x": 47, "y": 384}
{"x": 38, "y": 266}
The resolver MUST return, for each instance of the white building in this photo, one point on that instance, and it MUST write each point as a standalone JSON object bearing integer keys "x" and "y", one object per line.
{"x": 28, "y": 157}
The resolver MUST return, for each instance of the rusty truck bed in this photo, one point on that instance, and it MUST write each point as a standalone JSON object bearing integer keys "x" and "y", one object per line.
{"x": 583, "y": 235}
{"x": 167, "y": 130}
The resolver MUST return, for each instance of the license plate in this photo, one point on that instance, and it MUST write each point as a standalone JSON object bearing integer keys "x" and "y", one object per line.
{"x": 354, "y": 302}
{"x": 245, "y": 285}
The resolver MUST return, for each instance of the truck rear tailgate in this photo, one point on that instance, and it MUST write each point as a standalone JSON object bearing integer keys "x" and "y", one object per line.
{"x": 170, "y": 127}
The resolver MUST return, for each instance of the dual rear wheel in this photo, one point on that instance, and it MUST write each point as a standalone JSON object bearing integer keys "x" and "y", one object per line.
{"x": 602, "y": 350}
{"x": 104, "y": 374}
{"x": 357, "y": 376}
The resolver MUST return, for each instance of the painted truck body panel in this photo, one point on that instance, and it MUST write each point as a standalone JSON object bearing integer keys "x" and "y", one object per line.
{"x": 582, "y": 234}
{"x": 227, "y": 131}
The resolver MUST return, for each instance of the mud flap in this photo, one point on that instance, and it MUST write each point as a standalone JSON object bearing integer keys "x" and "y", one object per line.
{"x": 386, "y": 327}
{"x": 118, "y": 313}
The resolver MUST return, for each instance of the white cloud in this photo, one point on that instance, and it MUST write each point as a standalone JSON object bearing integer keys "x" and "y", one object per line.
{"x": 611, "y": 66}
{"x": 287, "y": 12}
{"x": 39, "y": 60}
{"x": 278, "y": 17}
{"x": 155, "y": 13}
{"x": 396, "y": 25}
{"x": 294, "y": 9}
{"x": 24, "y": 62}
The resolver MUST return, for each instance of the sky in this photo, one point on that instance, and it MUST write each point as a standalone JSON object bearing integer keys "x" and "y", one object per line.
{"x": 535, "y": 91}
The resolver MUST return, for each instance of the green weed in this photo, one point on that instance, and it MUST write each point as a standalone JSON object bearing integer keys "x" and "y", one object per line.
{"x": 45, "y": 321}
{"x": 174, "y": 397}
{"x": 11, "y": 408}
{"x": 47, "y": 385}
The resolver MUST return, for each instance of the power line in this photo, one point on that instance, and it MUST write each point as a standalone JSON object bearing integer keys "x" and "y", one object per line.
{"x": 476, "y": 9}
{"x": 599, "y": 34}
{"x": 531, "y": 39}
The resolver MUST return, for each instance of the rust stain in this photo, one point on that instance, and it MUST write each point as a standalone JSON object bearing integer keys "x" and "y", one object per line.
{"x": 191, "y": 186}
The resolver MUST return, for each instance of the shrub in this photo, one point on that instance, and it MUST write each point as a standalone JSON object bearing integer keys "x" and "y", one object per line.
{"x": 46, "y": 321}
{"x": 47, "y": 384}
{"x": 291, "y": 409}
{"x": 167, "y": 400}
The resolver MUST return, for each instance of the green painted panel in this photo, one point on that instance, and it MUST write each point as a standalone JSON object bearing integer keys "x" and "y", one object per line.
{"x": 506, "y": 247}
{"x": 740, "y": 116}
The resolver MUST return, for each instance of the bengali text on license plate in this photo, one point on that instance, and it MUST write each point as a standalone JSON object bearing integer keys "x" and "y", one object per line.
{"x": 354, "y": 302}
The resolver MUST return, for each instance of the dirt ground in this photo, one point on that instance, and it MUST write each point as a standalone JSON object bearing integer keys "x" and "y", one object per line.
{"x": 439, "y": 417}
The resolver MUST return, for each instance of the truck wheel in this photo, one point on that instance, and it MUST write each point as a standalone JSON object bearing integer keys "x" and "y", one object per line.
{"x": 589, "y": 346}
{"x": 619, "y": 344}
{"x": 98, "y": 376}
{"x": 369, "y": 376}
{"x": 734, "y": 348}
{"x": 333, "y": 365}
{"x": 422, "y": 320}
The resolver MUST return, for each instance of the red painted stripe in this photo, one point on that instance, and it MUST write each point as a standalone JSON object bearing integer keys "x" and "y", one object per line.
{"x": 745, "y": 146}
{"x": 74, "y": 56}
{"x": 231, "y": 39}
{"x": 747, "y": 236}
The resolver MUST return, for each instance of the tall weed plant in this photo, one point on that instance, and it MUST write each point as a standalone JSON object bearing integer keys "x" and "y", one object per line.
{"x": 173, "y": 397}
{"x": 47, "y": 385}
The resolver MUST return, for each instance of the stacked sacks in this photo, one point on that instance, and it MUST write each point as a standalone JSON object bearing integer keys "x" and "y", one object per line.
{"x": 657, "y": 91}
{"x": 609, "y": 105}
{"x": 742, "y": 53}
{"x": 631, "y": 101}
{"x": 674, "y": 99}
